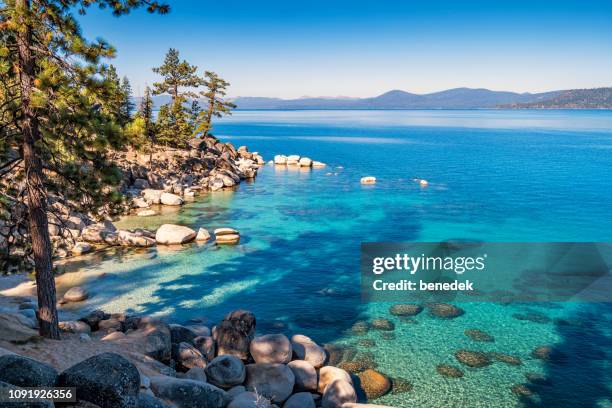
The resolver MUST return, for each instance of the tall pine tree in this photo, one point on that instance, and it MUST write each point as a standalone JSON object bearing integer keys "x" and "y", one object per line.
{"x": 174, "y": 119}
{"x": 56, "y": 124}
{"x": 215, "y": 105}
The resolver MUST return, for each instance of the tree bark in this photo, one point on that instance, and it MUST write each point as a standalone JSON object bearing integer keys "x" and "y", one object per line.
{"x": 35, "y": 188}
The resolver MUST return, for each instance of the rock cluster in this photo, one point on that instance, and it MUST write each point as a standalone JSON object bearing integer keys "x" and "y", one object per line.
{"x": 168, "y": 177}
{"x": 297, "y": 160}
{"x": 226, "y": 367}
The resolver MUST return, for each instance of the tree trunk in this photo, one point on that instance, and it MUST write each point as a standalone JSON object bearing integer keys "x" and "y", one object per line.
{"x": 209, "y": 114}
{"x": 35, "y": 189}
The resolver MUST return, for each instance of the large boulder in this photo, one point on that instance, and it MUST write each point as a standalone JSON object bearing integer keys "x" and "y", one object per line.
{"x": 225, "y": 371}
{"x": 152, "y": 337}
{"x": 305, "y": 162}
{"x": 171, "y": 234}
{"x": 152, "y": 196}
{"x": 107, "y": 380}
{"x": 227, "y": 236}
{"x": 306, "y": 349}
{"x": 206, "y": 346}
{"x": 170, "y": 199}
{"x": 250, "y": 400}
{"x": 186, "y": 356}
{"x": 181, "y": 334}
{"x": 329, "y": 374}
{"x": 25, "y": 372}
{"x": 300, "y": 400}
{"x": 338, "y": 393}
{"x": 203, "y": 235}
{"x": 185, "y": 393}
{"x": 306, "y": 378}
{"x": 273, "y": 381}
{"x": 271, "y": 348}
{"x": 234, "y": 334}
{"x": 133, "y": 239}
{"x": 280, "y": 159}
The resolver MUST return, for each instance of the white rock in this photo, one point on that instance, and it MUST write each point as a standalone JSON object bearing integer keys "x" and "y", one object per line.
{"x": 171, "y": 199}
{"x": 203, "y": 235}
{"x": 305, "y": 162}
{"x": 152, "y": 196}
{"x": 81, "y": 248}
{"x": 368, "y": 180}
{"x": 280, "y": 159}
{"x": 231, "y": 239}
{"x": 75, "y": 294}
{"x": 140, "y": 202}
{"x": 318, "y": 164}
{"x": 171, "y": 234}
{"x": 225, "y": 231}
{"x": 127, "y": 238}
{"x": 146, "y": 213}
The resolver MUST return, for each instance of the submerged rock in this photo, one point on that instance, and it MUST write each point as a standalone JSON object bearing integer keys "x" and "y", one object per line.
{"x": 506, "y": 358}
{"x": 374, "y": 383}
{"x": 475, "y": 359}
{"x": 548, "y": 353}
{"x": 521, "y": 390}
{"x": 446, "y": 370}
{"x": 479, "y": 335}
{"x": 445, "y": 310}
{"x": 400, "y": 386}
{"x": 405, "y": 309}
{"x": 360, "y": 328}
{"x": 382, "y": 324}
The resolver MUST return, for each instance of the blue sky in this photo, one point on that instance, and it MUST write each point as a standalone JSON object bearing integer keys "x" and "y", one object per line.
{"x": 360, "y": 48}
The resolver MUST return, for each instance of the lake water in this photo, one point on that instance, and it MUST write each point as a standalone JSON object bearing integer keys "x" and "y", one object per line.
{"x": 526, "y": 176}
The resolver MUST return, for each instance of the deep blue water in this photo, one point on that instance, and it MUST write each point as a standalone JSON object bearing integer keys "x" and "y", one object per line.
{"x": 494, "y": 176}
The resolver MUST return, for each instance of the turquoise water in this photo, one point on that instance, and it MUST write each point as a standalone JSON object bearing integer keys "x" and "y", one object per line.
{"x": 494, "y": 176}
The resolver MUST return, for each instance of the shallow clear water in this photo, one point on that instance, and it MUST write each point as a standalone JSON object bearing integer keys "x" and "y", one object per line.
{"x": 494, "y": 175}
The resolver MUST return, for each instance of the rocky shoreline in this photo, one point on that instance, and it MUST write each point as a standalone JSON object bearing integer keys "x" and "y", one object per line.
{"x": 123, "y": 361}
{"x": 167, "y": 177}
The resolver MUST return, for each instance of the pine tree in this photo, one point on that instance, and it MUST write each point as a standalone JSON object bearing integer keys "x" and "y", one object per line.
{"x": 216, "y": 106}
{"x": 127, "y": 106}
{"x": 174, "y": 119}
{"x": 56, "y": 125}
{"x": 176, "y": 74}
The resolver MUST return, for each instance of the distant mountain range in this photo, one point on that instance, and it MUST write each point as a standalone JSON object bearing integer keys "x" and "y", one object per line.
{"x": 458, "y": 98}
{"x": 598, "y": 98}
